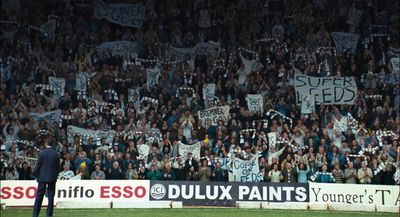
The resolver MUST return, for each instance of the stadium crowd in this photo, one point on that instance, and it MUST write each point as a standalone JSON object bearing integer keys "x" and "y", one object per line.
{"x": 285, "y": 37}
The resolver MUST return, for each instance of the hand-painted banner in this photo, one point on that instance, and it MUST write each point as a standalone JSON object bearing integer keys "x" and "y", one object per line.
{"x": 184, "y": 150}
{"x": 131, "y": 15}
{"x": 152, "y": 77}
{"x": 124, "y": 49}
{"x": 307, "y": 104}
{"x": 58, "y": 85}
{"x": 272, "y": 138}
{"x": 86, "y": 134}
{"x": 354, "y": 16}
{"x": 393, "y": 78}
{"x": 211, "y": 49}
{"x": 209, "y": 92}
{"x": 246, "y": 171}
{"x": 249, "y": 66}
{"x": 81, "y": 82}
{"x": 395, "y": 65}
{"x": 255, "y": 103}
{"x": 327, "y": 90}
{"x": 214, "y": 114}
{"x": 204, "y": 19}
{"x": 48, "y": 29}
{"x": 342, "y": 124}
{"x": 224, "y": 162}
{"x": 51, "y": 117}
{"x": 345, "y": 42}
{"x": 143, "y": 151}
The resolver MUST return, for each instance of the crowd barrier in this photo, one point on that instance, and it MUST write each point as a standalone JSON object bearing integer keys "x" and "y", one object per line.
{"x": 166, "y": 194}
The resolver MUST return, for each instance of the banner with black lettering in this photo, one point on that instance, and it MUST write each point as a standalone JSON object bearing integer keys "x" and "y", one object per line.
{"x": 354, "y": 16}
{"x": 86, "y": 134}
{"x": 341, "y": 125}
{"x": 210, "y": 48}
{"x": 143, "y": 150}
{"x": 227, "y": 194}
{"x": 131, "y": 15}
{"x": 392, "y": 78}
{"x": 223, "y": 161}
{"x": 204, "y": 19}
{"x": 126, "y": 49}
{"x": 58, "y": 85}
{"x": 307, "y": 104}
{"x": 345, "y": 42}
{"x": 51, "y": 117}
{"x": 48, "y": 29}
{"x": 327, "y": 90}
{"x": 255, "y": 103}
{"x": 184, "y": 150}
{"x": 272, "y": 138}
{"x": 395, "y": 65}
{"x": 23, "y": 193}
{"x": 152, "y": 77}
{"x": 246, "y": 170}
{"x": 81, "y": 82}
{"x": 214, "y": 114}
{"x": 209, "y": 92}
{"x": 357, "y": 194}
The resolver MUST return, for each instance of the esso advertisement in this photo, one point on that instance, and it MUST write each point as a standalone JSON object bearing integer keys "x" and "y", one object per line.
{"x": 23, "y": 193}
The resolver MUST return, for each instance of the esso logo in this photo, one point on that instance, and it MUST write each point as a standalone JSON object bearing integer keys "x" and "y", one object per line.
{"x": 158, "y": 191}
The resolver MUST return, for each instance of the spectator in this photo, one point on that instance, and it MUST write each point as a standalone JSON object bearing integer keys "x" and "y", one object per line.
{"x": 204, "y": 173}
{"x": 82, "y": 159}
{"x": 350, "y": 174}
{"x": 168, "y": 173}
{"x": 115, "y": 172}
{"x": 289, "y": 174}
{"x": 274, "y": 175}
{"x": 26, "y": 172}
{"x": 66, "y": 173}
{"x": 302, "y": 171}
{"x": 192, "y": 174}
{"x": 98, "y": 174}
{"x": 324, "y": 176}
{"x": 154, "y": 173}
{"x": 180, "y": 172}
{"x": 219, "y": 175}
{"x": 364, "y": 174}
{"x": 131, "y": 172}
{"x": 338, "y": 173}
{"x": 11, "y": 173}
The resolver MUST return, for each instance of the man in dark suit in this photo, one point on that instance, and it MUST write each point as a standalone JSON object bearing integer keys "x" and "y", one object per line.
{"x": 47, "y": 169}
{"x": 289, "y": 174}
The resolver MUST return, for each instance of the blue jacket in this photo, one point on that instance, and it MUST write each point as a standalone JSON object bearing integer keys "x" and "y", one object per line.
{"x": 48, "y": 166}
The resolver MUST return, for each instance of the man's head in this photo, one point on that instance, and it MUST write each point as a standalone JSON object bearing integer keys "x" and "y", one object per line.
{"x": 66, "y": 167}
{"x": 115, "y": 165}
{"x": 218, "y": 165}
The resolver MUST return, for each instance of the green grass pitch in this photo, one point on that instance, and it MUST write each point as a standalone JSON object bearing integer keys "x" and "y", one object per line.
{"x": 187, "y": 212}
